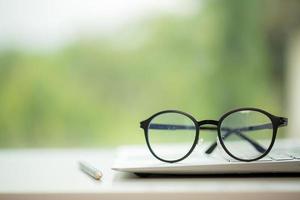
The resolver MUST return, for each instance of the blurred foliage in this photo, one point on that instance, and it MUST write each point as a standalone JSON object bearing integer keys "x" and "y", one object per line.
{"x": 95, "y": 91}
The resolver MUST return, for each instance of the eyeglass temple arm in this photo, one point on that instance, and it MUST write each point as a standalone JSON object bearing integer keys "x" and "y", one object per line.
{"x": 186, "y": 127}
{"x": 257, "y": 146}
{"x": 170, "y": 127}
{"x": 238, "y": 131}
{"x": 282, "y": 122}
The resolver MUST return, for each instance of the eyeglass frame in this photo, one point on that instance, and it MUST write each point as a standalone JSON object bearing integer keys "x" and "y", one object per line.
{"x": 275, "y": 120}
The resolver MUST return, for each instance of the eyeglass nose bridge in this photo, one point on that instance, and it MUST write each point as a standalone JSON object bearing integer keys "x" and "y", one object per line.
{"x": 208, "y": 122}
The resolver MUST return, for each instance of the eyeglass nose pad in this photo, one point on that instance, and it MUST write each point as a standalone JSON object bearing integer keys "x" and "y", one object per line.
{"x": 200, "y": 142}
{"x": 200, "y": 145}
{"x": 223, "y": 152}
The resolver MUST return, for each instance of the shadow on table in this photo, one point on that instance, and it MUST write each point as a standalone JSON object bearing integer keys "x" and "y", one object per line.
{"x": 133, "y": 176}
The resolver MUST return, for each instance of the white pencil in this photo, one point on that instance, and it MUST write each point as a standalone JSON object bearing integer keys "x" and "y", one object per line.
{"x": 90, "y": 170}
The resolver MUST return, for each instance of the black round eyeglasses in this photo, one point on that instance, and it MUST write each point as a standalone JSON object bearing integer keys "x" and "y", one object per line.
{"x": 245, "y": 134}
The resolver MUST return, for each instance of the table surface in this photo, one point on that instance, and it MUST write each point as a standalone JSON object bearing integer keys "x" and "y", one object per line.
{"x": 54, "y": 174}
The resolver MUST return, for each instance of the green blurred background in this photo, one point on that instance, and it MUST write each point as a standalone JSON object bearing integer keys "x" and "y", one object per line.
{"x": 94, "y": 90}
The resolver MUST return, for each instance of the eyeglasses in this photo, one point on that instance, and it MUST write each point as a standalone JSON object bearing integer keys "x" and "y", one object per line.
{"x": 245, "y": 134}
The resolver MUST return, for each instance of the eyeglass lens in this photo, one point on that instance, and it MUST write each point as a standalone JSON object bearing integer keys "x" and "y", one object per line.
{"x": 246, "y": 134}
{"x": 169, "y": 130}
